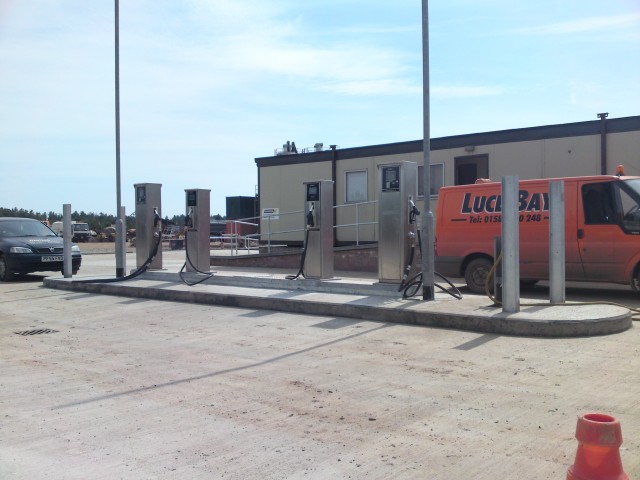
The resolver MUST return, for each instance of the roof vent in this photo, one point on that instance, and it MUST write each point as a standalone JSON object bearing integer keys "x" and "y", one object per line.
{"x": 288, "y": 148}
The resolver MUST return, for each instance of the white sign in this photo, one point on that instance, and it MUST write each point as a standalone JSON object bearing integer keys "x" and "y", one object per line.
{"x": 272, "y": 213}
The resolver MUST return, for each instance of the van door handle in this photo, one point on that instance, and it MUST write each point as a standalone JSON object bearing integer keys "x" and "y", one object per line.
{"x": 580, "y": 233}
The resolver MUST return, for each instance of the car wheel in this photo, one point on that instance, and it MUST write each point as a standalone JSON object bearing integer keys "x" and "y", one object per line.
{"x": 74, "y": 271}
{"x": 476, "y": 274}
{"x": 5, "y": 273}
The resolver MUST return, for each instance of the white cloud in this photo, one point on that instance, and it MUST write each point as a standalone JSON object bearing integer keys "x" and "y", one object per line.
{"x": 372, "y": 87}
{"x": 583, "y": 25}
{"x": 233, "y": 39}
{"x": 210, "y": 83}
{"x": 466, "y": 91}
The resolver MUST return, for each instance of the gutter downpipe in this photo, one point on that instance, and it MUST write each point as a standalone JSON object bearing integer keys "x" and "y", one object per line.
{"x": 603, "y": 142}
{"x": 334, "y": 159}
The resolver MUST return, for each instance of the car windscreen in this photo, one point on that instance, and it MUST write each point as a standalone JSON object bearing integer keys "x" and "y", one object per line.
{"x": 24, "y": 228}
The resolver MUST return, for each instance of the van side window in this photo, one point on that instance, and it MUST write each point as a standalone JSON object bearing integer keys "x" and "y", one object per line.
{"x": 597, "y": 199}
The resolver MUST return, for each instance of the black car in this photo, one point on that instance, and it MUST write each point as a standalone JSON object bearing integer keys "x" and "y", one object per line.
{"x": 27, "y": 245}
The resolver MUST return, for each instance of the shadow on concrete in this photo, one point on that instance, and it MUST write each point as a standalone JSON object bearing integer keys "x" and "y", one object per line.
{"x": 221, "y": 372}
{"x": 337, "y": 323}
{"x": 258, "y": 313}
{"x": 476, "y": 342}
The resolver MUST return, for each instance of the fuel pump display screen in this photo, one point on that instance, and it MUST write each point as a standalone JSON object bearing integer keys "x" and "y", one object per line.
{"x": 391, "y": 179}
{"x": 313, "y": 192}
{"x": 191, "y": 198}
{"x": 141, "y": 195}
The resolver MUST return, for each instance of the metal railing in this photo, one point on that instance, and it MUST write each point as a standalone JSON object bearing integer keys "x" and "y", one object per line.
{"x": 277, "y": 216}
{"x": 252, "y": 240}
{"x": 357, "y": 222}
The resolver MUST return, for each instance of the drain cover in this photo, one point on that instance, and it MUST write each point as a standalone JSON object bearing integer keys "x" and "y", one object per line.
{"x": 36, "y": 332}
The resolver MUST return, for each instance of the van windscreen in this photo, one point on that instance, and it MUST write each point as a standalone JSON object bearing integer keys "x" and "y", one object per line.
{"x": 630, "y": 204}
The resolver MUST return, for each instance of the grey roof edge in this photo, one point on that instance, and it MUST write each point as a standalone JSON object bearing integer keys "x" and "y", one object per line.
{"x": 591, "y": 127}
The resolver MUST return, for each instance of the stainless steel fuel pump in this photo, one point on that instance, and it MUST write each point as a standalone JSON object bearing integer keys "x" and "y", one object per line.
{"x": 148, "y": 224}
{"x": 197, "y": 235}
{"x": 397, "y": 187}
{"x": 318, "y": 211}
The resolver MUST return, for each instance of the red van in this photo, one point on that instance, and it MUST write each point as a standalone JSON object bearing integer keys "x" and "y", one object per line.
{"x": 602, "y": 235}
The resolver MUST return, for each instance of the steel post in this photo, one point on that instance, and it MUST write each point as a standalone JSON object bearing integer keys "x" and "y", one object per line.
{"x": 67, "y": 234}
{"x": 556, "y": 242}
{"x": 510, "y": 245}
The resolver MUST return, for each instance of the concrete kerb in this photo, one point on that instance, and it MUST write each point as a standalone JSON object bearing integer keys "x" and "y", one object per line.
{"x": 364, "y": 302}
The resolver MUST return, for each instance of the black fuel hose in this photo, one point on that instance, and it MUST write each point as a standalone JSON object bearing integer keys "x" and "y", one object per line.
{"x": 208, "y": 274}
{"x": 303, "y": 257}
{"x": 407, "y": 269}
{"x": 132, "y": 275}
{"x": 414, "y": 283}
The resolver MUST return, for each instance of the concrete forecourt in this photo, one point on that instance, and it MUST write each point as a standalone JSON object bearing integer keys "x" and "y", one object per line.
{"x": 125, "y": 386}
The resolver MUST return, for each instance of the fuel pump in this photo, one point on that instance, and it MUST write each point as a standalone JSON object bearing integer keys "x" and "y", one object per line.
{"x": 197, "y": 233}
{"x": 148, "y": 224}
{"x": 397, "y": 214}
{"x": 317, "y": 255}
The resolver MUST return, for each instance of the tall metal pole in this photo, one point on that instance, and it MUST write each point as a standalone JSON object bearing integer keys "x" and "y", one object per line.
{"x": 119, "y": 229}
{"x": 427, "y": 215}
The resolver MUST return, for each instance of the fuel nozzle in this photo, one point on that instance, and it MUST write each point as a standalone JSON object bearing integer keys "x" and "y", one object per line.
{"x": 413, "y": 211}
{"x": 310, "y": 220}
{"x": 188, "y": 222}
{"x": 157, "y": 219}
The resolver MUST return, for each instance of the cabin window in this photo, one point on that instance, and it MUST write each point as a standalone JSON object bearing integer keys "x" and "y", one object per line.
{"x": 436, "y": 179}
{"x": 356, "y": 186}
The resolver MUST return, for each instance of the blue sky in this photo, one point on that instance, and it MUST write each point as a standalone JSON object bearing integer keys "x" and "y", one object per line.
{"x": 209, "y": 85}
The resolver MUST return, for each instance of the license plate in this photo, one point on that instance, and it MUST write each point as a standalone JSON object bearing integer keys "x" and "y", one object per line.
{"x": 52, "y": 258}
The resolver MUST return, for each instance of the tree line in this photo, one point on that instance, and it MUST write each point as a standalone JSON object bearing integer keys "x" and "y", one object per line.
{"x": 97, "y": 221}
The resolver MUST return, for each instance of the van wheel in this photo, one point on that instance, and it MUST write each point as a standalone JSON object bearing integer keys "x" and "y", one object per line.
{"x": 635, "y": 281}
{"x": 527, "y": 284}
{"x": 476, "y": 274}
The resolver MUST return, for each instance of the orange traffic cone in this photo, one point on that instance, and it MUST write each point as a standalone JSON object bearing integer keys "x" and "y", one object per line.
{"x": 598, "y": 456}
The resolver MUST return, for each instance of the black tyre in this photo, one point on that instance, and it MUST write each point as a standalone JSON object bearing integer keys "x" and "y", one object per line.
{"x": 74, "y": 271}
{"x": 476, "y": 274}
{"x": 5, "y": 274}
{"x": 635, "y": 280}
